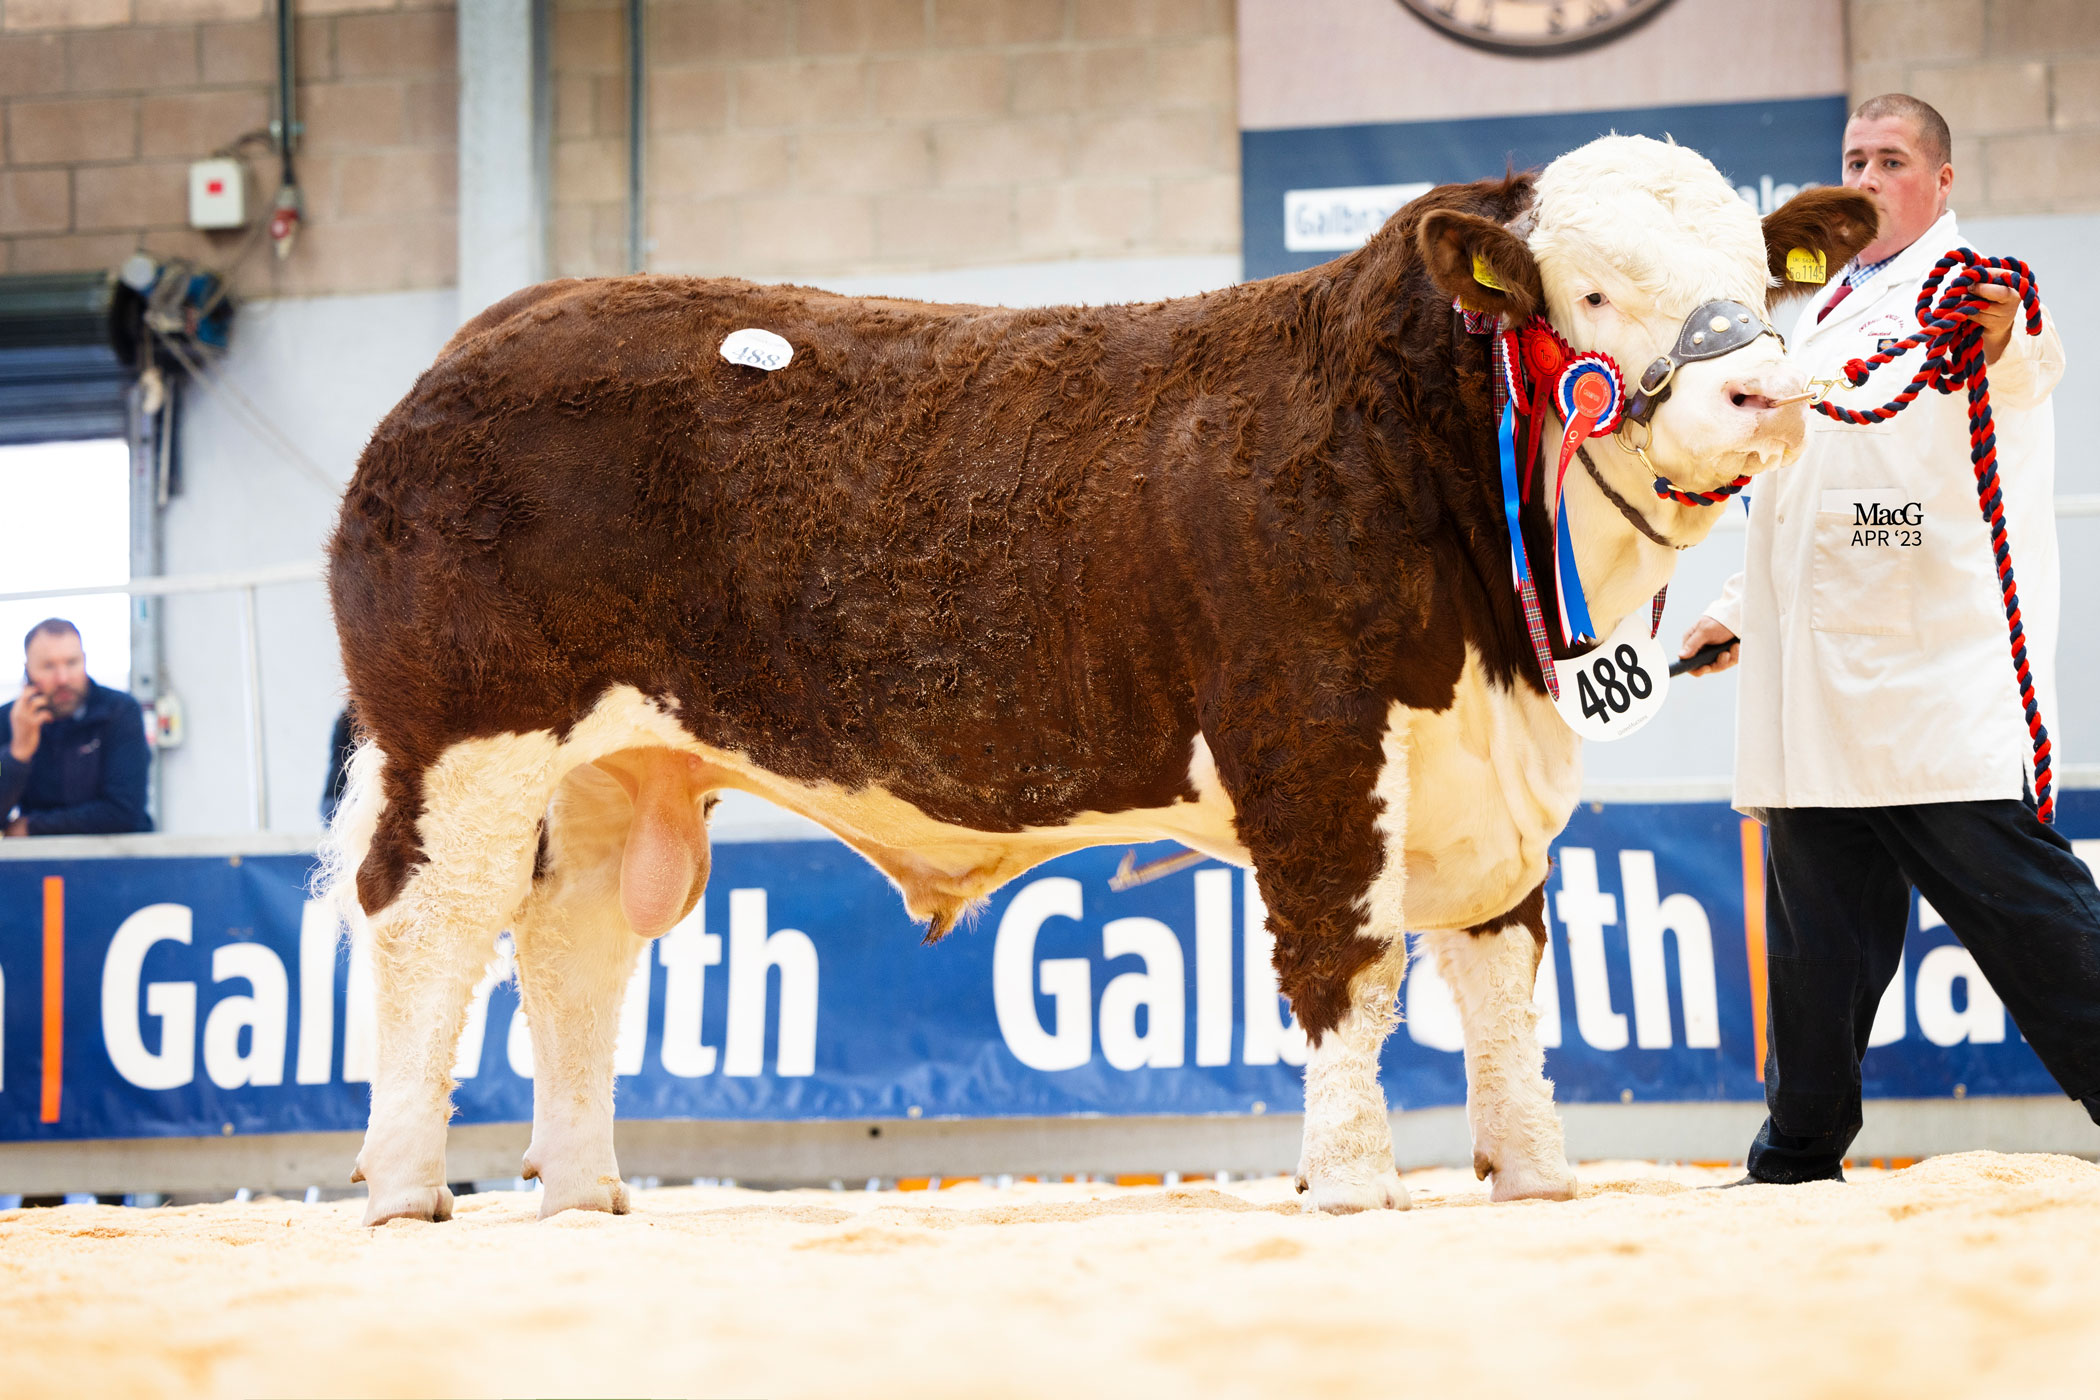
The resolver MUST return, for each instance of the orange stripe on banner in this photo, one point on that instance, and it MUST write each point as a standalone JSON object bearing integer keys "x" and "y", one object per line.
{"x": 1754, "y": 931}
{"x": 54, "y": 992}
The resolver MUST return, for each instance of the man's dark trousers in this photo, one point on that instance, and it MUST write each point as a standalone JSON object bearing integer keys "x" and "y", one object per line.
{"x": 1837, "y": 901}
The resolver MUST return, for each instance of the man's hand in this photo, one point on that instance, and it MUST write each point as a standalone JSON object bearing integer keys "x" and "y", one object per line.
{"x": 1705, "y": 632}
{"x": 1997, "y": 319}
{"x": 27, "y": 720}
{"x": 18, "y": 827}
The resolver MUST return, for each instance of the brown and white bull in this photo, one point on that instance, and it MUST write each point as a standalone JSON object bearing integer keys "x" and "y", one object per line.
{"x": 976, "y": 587}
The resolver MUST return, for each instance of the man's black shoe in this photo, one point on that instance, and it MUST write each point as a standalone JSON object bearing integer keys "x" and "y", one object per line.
{"x": 1748, "y": 1180}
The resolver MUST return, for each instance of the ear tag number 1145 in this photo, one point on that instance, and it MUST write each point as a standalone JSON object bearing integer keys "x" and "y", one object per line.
{"x": 1611, "y": 691}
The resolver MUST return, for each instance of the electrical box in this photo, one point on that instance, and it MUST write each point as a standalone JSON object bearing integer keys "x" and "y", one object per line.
{"x": 218, "y": 194}
{"x": 164, "y": 721}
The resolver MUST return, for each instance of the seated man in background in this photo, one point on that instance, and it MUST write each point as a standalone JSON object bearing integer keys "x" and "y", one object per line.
{"x": 76, "y": 759}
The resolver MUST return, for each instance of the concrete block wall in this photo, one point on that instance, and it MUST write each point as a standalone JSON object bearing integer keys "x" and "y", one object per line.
{"x": 106, "y": 102}
{"x": 830, "y": 138}
{"x": 2017, "y": 80}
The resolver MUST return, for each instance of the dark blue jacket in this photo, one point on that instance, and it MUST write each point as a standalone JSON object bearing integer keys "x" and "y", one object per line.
{"x": 88, "y": 774}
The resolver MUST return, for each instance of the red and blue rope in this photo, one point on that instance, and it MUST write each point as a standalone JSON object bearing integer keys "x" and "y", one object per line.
{"x": 1664, "y": 489}
{"x": 1954, "y": 360}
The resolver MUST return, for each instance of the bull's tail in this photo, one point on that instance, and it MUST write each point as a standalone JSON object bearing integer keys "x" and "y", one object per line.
{"x": 349, "y": 837}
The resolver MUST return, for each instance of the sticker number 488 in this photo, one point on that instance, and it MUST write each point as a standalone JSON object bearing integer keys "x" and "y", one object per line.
{"x": 1608, "y": 685}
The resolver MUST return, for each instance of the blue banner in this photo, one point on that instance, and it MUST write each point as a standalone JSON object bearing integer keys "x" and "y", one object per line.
{"x": 1309, "y": 193}
{"x": 184, "y": 996}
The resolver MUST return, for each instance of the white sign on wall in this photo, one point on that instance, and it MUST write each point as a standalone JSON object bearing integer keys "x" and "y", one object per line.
{"x": 1336, "y": 220}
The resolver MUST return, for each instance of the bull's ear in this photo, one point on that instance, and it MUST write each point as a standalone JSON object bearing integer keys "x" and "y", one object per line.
{"x": 1481, "y": 264}
{"x": 1812, "y": 235}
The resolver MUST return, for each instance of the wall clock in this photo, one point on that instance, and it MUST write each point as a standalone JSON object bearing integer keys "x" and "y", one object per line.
{"x": 1538, "y": 28}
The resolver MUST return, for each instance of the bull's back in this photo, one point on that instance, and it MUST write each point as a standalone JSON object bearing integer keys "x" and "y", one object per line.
{"x": 927, "y": 553}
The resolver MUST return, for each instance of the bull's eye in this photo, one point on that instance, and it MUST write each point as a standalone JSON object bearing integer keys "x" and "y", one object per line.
{"x": 1595, "y": 298}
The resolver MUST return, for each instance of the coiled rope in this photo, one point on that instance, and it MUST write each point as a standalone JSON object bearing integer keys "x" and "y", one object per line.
{"x": 1954, "y": 343}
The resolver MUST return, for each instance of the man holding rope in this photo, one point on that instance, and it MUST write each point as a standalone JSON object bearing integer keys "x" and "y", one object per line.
{"x": 1881, "y": 736}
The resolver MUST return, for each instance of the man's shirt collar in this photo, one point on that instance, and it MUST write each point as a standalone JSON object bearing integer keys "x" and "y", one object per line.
{"x": 1942, "y": 235}
{"x": 1858, "y": 274}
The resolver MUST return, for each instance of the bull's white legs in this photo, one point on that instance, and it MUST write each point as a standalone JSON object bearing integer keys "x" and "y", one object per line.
{"x": 575, "y": 954}
{"x": 424, "y": 970}
{"x": 572, "y": 974}
{"x": 1347, "y": 1162}
{"x": 482, "y": 806}
{"x": 1509, "y": 1101}
{"x": 577, "y": 948}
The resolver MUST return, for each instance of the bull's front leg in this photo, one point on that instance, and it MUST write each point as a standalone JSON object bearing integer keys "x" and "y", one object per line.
{"x": 1326, "y": 829}
{"x": 1491, "y": 971}
{"x": 1347, "y": 1160}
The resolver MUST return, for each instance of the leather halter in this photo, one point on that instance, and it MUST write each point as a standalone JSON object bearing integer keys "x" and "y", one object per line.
{"x": 1633, "y": 517}
{"x": 1711, "y": 330}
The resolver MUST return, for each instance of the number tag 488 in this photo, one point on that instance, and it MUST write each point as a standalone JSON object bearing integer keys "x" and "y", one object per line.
{"x": 1610, "y": 692}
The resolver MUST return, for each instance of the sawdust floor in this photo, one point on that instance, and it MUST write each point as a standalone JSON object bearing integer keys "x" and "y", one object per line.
{"x": 1974, "y": 1274}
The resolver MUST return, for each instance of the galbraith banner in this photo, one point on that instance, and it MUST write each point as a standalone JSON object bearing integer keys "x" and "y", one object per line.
{"x": 183, "y": 996}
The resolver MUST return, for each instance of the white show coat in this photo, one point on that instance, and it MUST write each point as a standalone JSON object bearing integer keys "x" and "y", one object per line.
{"x": 1876, "y": 669}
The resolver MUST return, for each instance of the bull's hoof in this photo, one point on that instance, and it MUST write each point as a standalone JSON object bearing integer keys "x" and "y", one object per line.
{"x": 560, "y": 1191}
{"x": 1536, "y": 1182}
{"x": 1348, "y": 1193}
{"x": 431, "y": 1203}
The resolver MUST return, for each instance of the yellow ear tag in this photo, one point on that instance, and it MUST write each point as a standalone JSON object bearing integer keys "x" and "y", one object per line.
{"x": 1485, "y": 275}
{"x": 1802, "y": 265}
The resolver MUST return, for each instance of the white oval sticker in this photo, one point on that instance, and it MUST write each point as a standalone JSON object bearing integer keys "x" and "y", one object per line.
{"x": 756, "y": 348}
{"x": 1611, "y": 691}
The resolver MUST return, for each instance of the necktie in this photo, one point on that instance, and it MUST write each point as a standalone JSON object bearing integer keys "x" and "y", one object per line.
{"x": 1844, "y": 290}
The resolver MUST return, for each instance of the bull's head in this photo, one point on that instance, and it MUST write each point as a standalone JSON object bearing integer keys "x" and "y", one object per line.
{"x": 1626, "y": 239}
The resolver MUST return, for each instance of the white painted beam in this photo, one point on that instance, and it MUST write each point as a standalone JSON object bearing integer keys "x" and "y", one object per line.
{"x": 502, "y": 150}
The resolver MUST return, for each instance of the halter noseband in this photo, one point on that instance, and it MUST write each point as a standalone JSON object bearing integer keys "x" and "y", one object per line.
{"x": 1712, "y": 330}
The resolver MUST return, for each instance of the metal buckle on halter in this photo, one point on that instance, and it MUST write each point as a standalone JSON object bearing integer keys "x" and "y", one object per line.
{"x": 1640, "y": 451}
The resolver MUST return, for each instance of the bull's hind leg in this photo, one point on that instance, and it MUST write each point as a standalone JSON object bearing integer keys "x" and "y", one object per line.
{"x": 430, "y": 944}
{"x": 1509, "y": 1101}
{"x": 626, "y": 858}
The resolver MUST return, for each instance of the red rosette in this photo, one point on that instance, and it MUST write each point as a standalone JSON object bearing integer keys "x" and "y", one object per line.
{"x": 1591, "y": 383}
{"x": 1545, "y": 353}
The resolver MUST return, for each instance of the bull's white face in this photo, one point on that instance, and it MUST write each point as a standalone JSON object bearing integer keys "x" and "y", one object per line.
{"x": 1631, "y": 234}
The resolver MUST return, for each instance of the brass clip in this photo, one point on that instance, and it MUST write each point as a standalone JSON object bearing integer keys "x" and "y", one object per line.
{"x": 1818, "y": 390}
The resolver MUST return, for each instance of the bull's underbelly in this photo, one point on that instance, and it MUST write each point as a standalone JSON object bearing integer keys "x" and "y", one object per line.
{"x": 940, "y": 867}
{"x": 1486, "y": 785}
